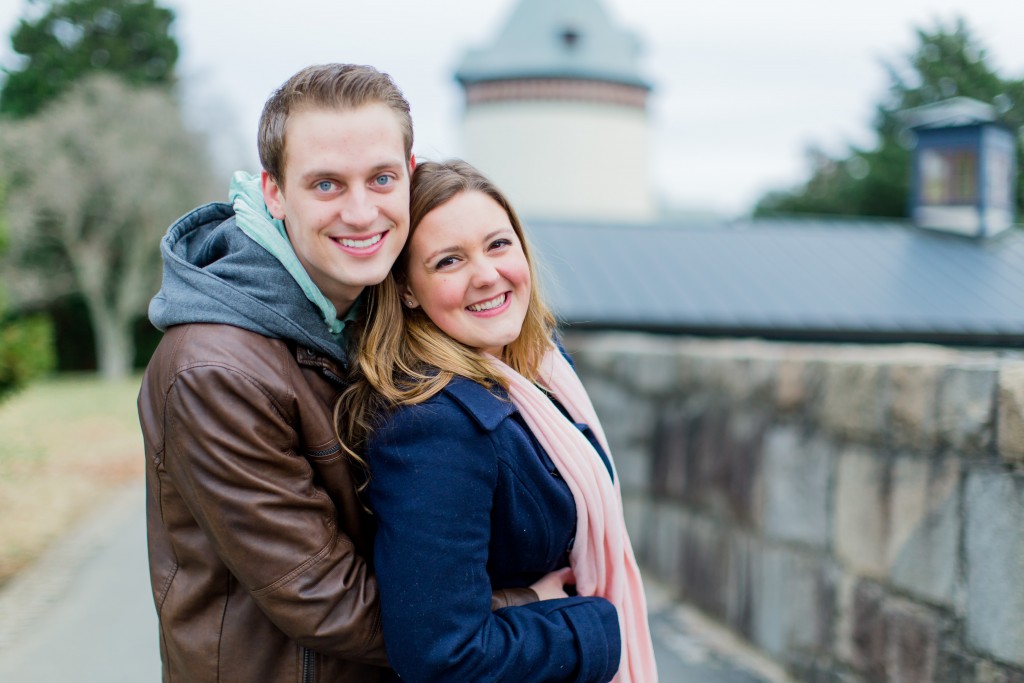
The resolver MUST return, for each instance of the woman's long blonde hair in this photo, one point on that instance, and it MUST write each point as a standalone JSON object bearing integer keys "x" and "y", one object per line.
{"x": 402, "y": 357}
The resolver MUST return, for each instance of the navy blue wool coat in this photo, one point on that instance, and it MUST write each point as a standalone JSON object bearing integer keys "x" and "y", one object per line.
{"x": 467, "y": 502}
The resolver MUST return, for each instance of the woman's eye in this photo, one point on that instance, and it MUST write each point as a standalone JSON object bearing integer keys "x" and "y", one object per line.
{"x": 499, "y": 243}
{"x": 444, "y": 263}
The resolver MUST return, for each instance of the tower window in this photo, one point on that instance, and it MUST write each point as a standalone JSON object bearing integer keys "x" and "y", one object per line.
{"x": 570, "y": 36}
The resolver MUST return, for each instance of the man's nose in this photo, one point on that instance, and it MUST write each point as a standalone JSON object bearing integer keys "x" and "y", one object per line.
{"x": 359, "y": 210}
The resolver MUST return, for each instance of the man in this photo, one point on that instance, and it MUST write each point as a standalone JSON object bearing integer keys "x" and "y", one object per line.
{"x": 256, "y": 537}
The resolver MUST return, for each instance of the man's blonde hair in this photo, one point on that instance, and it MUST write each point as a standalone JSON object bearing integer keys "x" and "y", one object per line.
{"x": 325, "y": 86}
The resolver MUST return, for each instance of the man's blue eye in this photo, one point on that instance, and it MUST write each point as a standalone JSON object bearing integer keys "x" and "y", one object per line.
{"x": 382, "y": 180}
{"x": 324, "y": 185}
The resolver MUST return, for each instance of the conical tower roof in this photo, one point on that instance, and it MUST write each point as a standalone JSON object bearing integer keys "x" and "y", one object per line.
{"x": 557, "y": 39}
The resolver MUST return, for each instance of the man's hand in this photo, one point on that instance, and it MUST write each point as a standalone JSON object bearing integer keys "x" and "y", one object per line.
{"x": 552, "y": 586}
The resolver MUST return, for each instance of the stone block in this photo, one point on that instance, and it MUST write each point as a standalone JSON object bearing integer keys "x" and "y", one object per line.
{"x": 793, "y": 603}
{"x": 704, "y": 374}
{"x": 661, "y": 543}
{"x": 989, "y": 672}
{"x": 723, "y": 462}
{"x": 704, "y": 565}
{"x": 810, "y": 670}
{"x": 912, "y": 406}
{"x": 912, "y": 647}
{"x": 994, "y": 549}
{"x": 638, "y": 512}
{"x": 846, "y": 623}
{"x": 633, "y": 466}
{"x": 791, "y": 386}
{"x": 1011, "y": 411}
{"x": 850, "y": 405}
{"x": 886, "y": 638}
{"x": 795, "y": 484}
{"x": 671, "y": 452}
{"x": 651, "y": 372}
{"x": 966, "y": 412}
{"x": 628, "y": 419}
{"x": 868, "y": 630}
{"x": 960, "y": 666}
{"x": 739, "y": 599}
{"x": 924, "y": 528}
{"x": 860, "y": 535}
{"x": 591, "y": 356}
{"x": 745, "y": 380}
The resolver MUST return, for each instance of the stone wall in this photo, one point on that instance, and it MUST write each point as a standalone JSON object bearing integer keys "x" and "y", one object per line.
{"x": 856, "y": 512}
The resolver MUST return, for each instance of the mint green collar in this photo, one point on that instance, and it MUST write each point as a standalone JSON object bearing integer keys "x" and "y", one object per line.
{"x": 253, "y": 218}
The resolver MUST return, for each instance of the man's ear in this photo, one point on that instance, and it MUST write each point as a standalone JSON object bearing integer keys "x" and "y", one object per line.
{"x": 272, "y": 196}
{"x": 412, "y": 164}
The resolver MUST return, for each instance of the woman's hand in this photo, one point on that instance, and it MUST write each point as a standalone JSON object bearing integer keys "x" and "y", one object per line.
{"x": 552, "y": 586}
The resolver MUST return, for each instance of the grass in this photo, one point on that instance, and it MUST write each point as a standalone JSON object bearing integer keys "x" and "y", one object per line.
{"x": 67, "y": 443}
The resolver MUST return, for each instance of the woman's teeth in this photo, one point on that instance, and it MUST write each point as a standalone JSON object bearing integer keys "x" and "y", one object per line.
{"x": 488, "y": 305}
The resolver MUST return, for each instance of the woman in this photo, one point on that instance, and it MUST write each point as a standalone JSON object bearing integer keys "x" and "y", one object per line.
{"x": 487, "y": 466}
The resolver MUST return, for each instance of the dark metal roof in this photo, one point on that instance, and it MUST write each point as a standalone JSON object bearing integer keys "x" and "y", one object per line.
{"x": 793, "y": 279}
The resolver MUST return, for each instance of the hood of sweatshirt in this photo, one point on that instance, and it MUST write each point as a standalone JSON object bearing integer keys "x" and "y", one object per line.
{"x": 215, "y": 273}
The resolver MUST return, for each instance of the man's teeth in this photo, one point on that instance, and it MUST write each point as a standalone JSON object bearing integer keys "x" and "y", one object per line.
{"x": 361, "y": 244}
{"x": 488, "y": 305}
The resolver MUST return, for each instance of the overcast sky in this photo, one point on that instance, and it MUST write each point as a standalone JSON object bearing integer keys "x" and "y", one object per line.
{"x": 740, "y": 88}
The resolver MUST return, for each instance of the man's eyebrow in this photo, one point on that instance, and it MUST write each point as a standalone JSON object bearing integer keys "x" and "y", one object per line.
{"x": 374, "y": 170}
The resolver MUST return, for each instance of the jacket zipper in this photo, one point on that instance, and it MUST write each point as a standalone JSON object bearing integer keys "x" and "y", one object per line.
{"x": 308, "y": 666}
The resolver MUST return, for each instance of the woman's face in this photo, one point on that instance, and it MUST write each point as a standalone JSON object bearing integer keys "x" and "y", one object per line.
{"x": 467, "y": 269}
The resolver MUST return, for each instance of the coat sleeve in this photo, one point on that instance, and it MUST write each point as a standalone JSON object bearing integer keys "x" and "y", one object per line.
{"x": 231, "y": 452}
{"x": 433, "y": 476}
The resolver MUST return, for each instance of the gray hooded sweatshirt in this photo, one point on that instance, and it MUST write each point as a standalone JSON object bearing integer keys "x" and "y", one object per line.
{"x": 215, "y": 273}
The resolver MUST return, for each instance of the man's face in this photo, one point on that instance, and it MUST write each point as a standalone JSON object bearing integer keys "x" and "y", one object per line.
{"x": 344, "y": 197}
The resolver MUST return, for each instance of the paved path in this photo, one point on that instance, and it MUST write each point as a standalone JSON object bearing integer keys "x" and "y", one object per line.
{"x": 84, "y": 613}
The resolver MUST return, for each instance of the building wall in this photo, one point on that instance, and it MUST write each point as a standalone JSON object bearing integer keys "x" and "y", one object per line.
{"x": 563, "y": 159}
{"x": 856, "y": 512}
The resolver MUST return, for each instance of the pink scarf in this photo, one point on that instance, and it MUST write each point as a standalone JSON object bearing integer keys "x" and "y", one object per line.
{"x": 602, "y": 557}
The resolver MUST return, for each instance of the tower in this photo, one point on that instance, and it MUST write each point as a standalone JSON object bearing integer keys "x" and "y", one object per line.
{"x": 556, "y": 113}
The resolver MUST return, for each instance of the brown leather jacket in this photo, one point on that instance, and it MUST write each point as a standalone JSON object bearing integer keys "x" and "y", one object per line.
{"x": 256, "y": 539}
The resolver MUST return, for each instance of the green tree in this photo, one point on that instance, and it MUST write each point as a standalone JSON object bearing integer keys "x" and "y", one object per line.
{"x": 95, "y": 178}
{"x": 947, "y": 62}
{"x": 26, "y": 345}
{"x": 73, "y": 38}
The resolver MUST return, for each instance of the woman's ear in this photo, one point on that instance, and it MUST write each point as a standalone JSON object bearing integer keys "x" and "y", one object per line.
{"x": 408, "y": 298}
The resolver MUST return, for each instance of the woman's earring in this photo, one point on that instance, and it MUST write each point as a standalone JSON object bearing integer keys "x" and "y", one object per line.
{"x": 409, "y": 303}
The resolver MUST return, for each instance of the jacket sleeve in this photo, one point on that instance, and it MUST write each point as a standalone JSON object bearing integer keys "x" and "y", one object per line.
{"x": 232, "y": 452}
{"x": 433, "y": 475}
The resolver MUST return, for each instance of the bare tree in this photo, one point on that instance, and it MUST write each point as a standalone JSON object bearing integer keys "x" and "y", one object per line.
{"x": 93, "y": 182}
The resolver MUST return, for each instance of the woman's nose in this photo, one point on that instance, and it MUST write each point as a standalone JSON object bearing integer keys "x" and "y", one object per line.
{"x": 484, "y": 274}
